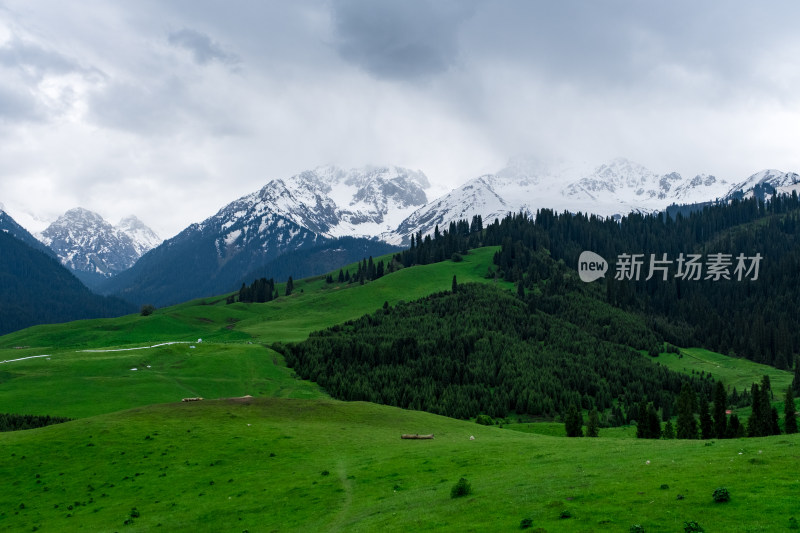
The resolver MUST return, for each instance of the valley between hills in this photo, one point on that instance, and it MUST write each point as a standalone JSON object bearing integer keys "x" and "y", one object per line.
{"x": 290, "y": 458}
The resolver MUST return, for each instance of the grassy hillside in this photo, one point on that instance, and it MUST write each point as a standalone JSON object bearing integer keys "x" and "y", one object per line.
{"x": 739, "y": 373}
{"x": 293, "y": 460}
{"x": 231, "y": 360}
{"x": 322, "y": 465}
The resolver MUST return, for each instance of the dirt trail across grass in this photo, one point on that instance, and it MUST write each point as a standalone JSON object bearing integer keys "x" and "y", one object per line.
{"x": 138, "y": 348}
{"x": 22, "y": 358}
{"x": 100, "y": 351}
{"x": 341, "y": 516}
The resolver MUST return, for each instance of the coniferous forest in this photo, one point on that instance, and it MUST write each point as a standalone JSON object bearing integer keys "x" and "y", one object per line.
{"x": 484, "y": 350}
{"x": 27, "y": 280}
{"x": 558, "y": 341}
{"x": 751, "y": 318}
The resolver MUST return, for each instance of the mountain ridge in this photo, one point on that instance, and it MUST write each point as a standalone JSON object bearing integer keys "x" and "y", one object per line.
{"x": 385, "y": 204}
{"x": 92, "y": 248}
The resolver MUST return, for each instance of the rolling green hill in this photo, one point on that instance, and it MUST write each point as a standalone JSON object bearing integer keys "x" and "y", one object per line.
{"x": 322, "y": 465}
{"x": 293, "y": 460}
{"x": 231, "y": 361}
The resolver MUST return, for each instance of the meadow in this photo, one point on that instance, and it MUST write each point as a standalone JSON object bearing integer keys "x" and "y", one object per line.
{"x": 292, "y": 459}
{"x": 274, "y": 464}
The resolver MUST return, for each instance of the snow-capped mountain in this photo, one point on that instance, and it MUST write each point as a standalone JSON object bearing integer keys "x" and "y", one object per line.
{"x": 765, "y": 183}
{"x": 144, "y": 239}
{"x": 86, "y": 243}
{"x": 615, "y": 188}
{"x": 285, "y": 216}
{"x": 11, "y": 227}
{"x": 333, "y": 202}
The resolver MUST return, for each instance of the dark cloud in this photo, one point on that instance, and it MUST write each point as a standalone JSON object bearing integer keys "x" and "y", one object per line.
{"x": 400, "y": 40}
{"x": 639, "y": 47}
{"x": 34, "y": 61}
{"x": 204, "y": 50}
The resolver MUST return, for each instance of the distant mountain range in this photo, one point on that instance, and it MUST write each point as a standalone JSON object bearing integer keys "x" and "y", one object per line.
{"x": 35, "y": 288}
{"x": 307, "y": 215}
{"x": 301, "y": 218}
{"x": 94, "y": 249}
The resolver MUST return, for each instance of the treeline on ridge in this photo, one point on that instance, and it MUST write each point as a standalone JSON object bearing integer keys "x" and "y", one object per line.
{"x": 747, "y": 318}
{"x": 15, "y": 422}
{"x": 484, "y": 350}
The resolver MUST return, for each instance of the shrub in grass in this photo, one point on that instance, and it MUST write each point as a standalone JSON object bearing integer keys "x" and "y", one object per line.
{"x": 461, "y": 488}
{"x": 526, "y": 523}
{"x": 692, "y": 527}
{"x": 721, "y": 495}
{"x": 484, "y": 420}
{"x": 565, "y": 514}
{"x": 147, "y": 310}
{"x": 664, "y": 486}
{"x": 637, "y": 528}
{"x": 793, "y": 523}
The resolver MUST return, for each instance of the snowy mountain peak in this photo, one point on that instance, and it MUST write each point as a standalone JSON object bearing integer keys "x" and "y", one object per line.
{"x": 621, "y": 176}
{"x": 767, "y": 181}
{"x": 85, "y": 242}
{"x": 527, "y": 185}
{"x": 627, "y": 182}
{"x": 142, "y": 236}
{"x": 329, "y": 201}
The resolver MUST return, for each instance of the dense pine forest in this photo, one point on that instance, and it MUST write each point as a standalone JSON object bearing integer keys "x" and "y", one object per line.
{"x": 751, "y": 318}
{"x": 14, "y": 422}
{"x": 559, "y": 341}
{"x": 481, "y": 349}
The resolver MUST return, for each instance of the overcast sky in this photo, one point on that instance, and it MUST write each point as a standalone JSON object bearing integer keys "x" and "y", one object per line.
{"x": 171, "y": 109}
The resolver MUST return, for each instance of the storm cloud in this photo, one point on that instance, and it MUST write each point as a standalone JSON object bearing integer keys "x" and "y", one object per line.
{"x": 202, "y": 47}
{"x": 169, "y": 110}
{"x": 417, "y": 38}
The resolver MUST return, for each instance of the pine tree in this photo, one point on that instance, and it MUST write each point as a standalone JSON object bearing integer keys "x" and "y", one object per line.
{"x": 754, "y": 423}
{"x": 653, "y": 423}
{"x": 341, "y": 276}
{"x": 706, "y": 424}
{"x": 289, "y": 286}
{"x": 762, "y": 419}
{"x": 789, "y": 418}
{"x": 669, "y": 431}
{"x": 720, "y": 406}
{"x": 687, "y": 425}
{"x": 455, "y": 285}
{"x": 796, "y": 380}
{"x": 642, "y": 429}
{"x": 573, "y": 422}
{"x": 774, "y": 428}
{"x": 593, "y": 426}
{"x": 735, "y": 428}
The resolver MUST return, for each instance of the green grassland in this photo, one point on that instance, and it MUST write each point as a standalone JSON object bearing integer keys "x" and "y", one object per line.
{"x": 739, "y": 373}
{"x": 324, "y": 465}
{"x": 292, "y": 459}
{"x": 231, "y": 361}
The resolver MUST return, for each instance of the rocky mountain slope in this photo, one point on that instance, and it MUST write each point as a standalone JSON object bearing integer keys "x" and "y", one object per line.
{"x": 94, "y": 249}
